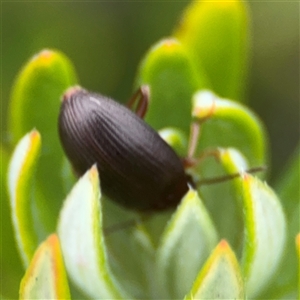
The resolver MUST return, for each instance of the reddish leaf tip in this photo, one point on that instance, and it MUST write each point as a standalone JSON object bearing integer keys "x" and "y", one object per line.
{"x": 34, "y": 134}
{"x": 223, "y": 245}
{"x": 246, "y": 177}
{"x": 46, "y": 53}
{"x": 94, "y": 172}
{"x": 53, "y": 239}
{"x": 45, "y": 56}
{"x": 170, "y": 43}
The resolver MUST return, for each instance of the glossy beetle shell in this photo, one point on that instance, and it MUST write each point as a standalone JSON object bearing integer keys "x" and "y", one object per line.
{"x": 138, "y": 169}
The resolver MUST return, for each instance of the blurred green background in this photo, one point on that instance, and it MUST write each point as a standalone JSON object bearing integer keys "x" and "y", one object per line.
{"x": 106, "y": 40}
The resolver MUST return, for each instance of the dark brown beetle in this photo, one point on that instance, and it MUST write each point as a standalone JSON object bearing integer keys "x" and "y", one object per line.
{"x": 138, "y": 169}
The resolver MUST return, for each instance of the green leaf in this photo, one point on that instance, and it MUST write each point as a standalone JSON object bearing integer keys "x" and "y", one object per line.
{"x": 264, "y": 223}
{"x": 132, "y": 260}
{"x": 124, "y": 239}
{"x": 176, "y": 139}
{"x": 220, "y": 278}
{"x": 288, "y": 190}
{"x": 298, "y": 257}
{"x": 82, "y": 240}
{"x": 229, "y": 124}
{"x": 288, "y": 186}
{"x": 46, "y": 277}
{"x": 169, "y": 71}
{"x": 35, "y": 103}
{"x": 11, "y": 270}
{"x": 185, "y": 245}
{"x": 36, "y": 94}
{"x": 20, "y": 181}
{"x": 222, "y": 199}
{"x": 226, "y": 124}
{"x": 216, "y": 35}
{"x": 265, "y": 234}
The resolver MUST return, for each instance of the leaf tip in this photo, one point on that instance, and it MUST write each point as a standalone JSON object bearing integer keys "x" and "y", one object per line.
{"x": 246, "y": 177}
{"x": 43, "y": 57}
{"x": 52, "y": 240}
{"x": 204, "y": 104}
{"x": 93, "y": 173}
{"x": 34, "y": 135}
{"x": 169, "y": 43}
{"x": 191, "y": 196}
{"x": 223, "y": 245}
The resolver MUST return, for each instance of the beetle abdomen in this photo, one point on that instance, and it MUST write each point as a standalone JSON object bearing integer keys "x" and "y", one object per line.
{"x": 137, "y": 168}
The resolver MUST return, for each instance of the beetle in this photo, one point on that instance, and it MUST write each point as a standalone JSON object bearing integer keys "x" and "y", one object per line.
{"x": 137, "y": 168}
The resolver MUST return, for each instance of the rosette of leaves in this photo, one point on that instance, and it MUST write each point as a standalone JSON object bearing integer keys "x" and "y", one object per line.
{"x": 233, "y": 240}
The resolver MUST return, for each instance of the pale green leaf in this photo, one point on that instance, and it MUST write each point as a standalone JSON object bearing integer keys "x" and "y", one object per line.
{"x": 82, "y": 240}
{"x": 185, "y": 245}
{"x": 20, "y": 182}
{"x": 222, "y": 199}
{"x": 265, "y": 234}
{"x": 10, "y": 264}
{"x": 264, "y": 226}
{"x": 287, "y": 187}
{"x": 46, "y": 277}
{"x": 125, "y": 237}
{"x": 220, "y": 278}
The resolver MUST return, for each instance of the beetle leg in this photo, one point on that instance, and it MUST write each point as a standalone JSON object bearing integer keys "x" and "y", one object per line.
{"x": 194, "y": 138}
{"x": 139, "y": 101}
{"x": 224, "y": 178}
{"x": 189, "y": 162}
{"x": 195, "y": 132}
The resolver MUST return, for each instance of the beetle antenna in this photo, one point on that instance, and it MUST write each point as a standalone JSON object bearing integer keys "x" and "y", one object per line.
{"x": 139, "y": 101}
{"x": 224, "y": 178}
